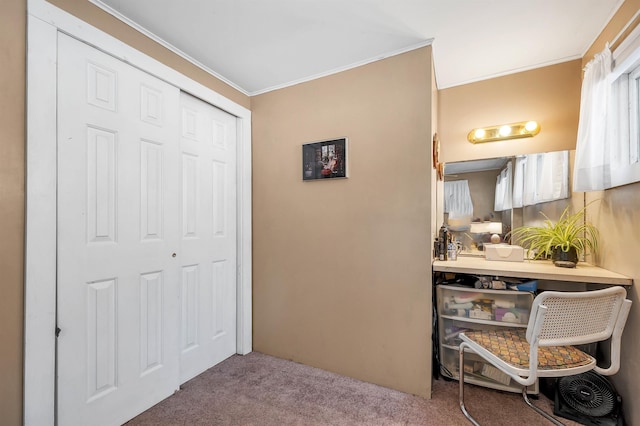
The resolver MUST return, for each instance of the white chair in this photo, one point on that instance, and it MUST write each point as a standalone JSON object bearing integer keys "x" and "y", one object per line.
{"x": 557, "y": 321}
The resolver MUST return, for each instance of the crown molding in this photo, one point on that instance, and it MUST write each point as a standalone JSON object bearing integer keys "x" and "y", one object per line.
{"x": 165, "y": 44}
{"x": 376, "y": 58}
{"x": 200, "y": 65}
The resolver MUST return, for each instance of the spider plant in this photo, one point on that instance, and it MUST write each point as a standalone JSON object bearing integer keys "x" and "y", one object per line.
{"x": 571, "y": 234}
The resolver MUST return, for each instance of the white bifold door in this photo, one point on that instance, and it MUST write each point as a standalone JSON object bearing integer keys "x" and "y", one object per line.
{"x": 146, "y": 237}
{"x": 207, "y": 236}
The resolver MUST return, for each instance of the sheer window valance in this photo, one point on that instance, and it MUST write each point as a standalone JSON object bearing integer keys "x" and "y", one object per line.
{"x": 457, "y": 203}
{"x": 503, "y": 196}
{"x": 540, "y": 178}
{"x": 592, "y": 170}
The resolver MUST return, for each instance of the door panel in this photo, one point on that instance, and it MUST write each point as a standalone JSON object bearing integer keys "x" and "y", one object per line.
{"x": 208, "y": 236}
{"x": 118, "y": 197}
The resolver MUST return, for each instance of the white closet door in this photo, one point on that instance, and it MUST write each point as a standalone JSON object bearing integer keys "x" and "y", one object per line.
{"x": 118, "y": 238}
{"x": 208, "y": 234}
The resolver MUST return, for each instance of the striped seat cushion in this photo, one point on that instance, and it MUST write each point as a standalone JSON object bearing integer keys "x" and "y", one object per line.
{"x": 511, "y": 346}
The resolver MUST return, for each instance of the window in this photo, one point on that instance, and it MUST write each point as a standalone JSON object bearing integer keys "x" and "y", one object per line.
{"x": 634, "y": 111}
{"x": 608, "y": 146}
{"x": 625, "y": 108}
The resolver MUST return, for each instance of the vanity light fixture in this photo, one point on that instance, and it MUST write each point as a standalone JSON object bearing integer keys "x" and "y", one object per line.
{"x": 523, "y": 129}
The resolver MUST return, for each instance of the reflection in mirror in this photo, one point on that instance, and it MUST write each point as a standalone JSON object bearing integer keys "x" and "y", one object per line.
{"x": 480, "y": 176}
{"x": 484, "y": 199}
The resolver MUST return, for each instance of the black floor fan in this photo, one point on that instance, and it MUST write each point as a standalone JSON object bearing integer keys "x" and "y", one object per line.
{"x": 588, "y": 398}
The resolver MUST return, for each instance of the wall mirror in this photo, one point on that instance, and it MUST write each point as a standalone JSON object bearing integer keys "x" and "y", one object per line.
{"x": 486, "y": 198}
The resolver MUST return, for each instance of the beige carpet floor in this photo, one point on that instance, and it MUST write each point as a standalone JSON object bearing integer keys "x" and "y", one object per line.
{"x": 258, "y": 389}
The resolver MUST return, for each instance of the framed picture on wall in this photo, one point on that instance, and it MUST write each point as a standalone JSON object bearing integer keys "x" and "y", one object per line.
{"x": 324, "y": 160}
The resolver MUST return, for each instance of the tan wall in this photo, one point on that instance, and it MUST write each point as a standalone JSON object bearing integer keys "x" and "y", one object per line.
{"x": 341, "y": 268}
{"x": 549, "y": 95}
{"x": 436, "y": 185}
{"x": 12, "y": 171}
{"x": 107, "y": 23}
{"x": 618, "y": 218}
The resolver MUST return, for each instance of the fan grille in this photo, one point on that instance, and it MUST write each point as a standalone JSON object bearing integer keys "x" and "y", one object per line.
{"x": 588, "y": 394}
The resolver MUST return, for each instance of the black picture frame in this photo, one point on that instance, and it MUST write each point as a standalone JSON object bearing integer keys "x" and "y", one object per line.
{"x": 324, "y": 160}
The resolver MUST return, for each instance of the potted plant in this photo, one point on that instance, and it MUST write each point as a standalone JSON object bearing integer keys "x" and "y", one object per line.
{"x": 564, "y": 241}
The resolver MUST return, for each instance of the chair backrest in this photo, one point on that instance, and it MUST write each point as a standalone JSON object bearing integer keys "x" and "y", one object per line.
{"x": 575, "y": 318}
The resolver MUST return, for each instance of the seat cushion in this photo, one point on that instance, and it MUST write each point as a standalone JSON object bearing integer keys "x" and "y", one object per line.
{"x": 511, "y": 346}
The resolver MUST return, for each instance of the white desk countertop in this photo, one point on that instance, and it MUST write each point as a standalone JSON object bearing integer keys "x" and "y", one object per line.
{"x": 534, "y": 269}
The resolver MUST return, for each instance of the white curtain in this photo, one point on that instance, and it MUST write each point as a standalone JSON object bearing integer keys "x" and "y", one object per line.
{"x": 553, "y": 176}
{"x": 592, "y": 164}
{"x": 518, "y": 181}
{"x": 530, "y": 184}
{"x": 503, "y": 197}
{"x": 457, "y": 202}
{"x": 539, "y": 178}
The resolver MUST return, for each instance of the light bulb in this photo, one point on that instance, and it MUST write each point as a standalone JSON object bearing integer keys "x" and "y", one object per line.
{"x": 479, "y": 133}
{"x": 505, "y": 130}
{"x": 531, "y": 126}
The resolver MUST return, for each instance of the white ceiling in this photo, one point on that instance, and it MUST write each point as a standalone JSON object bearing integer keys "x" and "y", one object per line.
{"x": 262, "y": 45}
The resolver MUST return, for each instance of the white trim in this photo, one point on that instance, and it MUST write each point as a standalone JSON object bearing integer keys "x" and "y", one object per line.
{"x": 164, "y": 43}
{"x": 626, "y": 58}
{"x": 244, "y": 327}
{"x": 380, "y": 57}
{"x": 40, "y": 242}
{"x": 44, "y": 21}
{"x": 159, "y": 40}
{"x": 604, "y": 25}
{"x": 626, "y": 54}
{"x": 535, "y": 66}
{"x": 508, "y": 72}
{"x": 634, "y": 123}
{"x": 623, "y": 30}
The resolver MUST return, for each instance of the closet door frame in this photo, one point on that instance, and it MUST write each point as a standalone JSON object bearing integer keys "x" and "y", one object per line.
{"x": 43, "y": 22}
